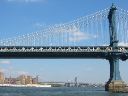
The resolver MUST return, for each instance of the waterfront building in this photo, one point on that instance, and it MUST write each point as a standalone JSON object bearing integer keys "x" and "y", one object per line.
{"x": 18, "y": 82}
{"x": 10, "y": 80}
{"x": 22, "y": 79}
{"x": 35, "y": 80}
{"x": 7, "y": 81}
{"x": 28, "y": 80}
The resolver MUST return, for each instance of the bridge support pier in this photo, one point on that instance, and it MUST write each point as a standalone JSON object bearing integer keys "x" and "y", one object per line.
{"x": 115, "y": 83}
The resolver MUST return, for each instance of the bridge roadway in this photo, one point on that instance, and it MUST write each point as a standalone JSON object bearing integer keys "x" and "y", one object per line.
{"x": 52, "y": 52}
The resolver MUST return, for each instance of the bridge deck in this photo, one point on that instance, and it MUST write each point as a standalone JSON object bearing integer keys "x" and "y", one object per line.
{"x": 103, "y": 52}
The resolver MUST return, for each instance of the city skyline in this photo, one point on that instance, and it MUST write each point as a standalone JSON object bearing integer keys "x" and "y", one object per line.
{"x": 21, "y": 16}
{"x": 19, "y": 80}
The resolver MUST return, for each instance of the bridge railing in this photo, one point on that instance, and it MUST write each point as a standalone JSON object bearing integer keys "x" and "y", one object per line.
{"x": 64, "y": 49}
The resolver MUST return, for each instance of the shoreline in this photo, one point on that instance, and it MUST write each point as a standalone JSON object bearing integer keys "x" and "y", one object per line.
{"x": 27, "y": 85}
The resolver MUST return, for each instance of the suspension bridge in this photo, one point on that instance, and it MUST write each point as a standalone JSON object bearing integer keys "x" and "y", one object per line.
{"x": 102, "y": 35}
{"x": 85, "y": 37}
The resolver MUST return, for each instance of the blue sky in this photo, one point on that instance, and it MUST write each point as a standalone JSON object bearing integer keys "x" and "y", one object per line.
{"x": 25, "y": 16}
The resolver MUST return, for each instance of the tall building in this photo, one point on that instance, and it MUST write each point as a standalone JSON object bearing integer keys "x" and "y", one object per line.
{"x": 2, "y": 78}
{"x": 22, "y": 79}
{"x": 28, "y": 80}
{"x": 75, "y": 82}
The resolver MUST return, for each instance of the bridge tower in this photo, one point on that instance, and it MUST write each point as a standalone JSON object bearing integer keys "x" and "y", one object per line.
{"x": 115, "y": 82}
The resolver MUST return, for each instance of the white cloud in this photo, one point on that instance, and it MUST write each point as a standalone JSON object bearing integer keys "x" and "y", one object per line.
{"x": 40, "y": 25}
{"x": 119, "y": 44}
{"x": 25, "y": 1}
{"x": 22, "y": 73}
{"x": 88, "y": 69}
{"x": 3, "y": 70}
{"x": 122, "y": 44}
{"x": 5, "y": 62}
{"x": 77, "y": 35}
{"x": 74, "y": 33}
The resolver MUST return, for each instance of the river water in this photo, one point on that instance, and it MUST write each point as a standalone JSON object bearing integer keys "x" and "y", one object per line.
{"x": 11, "y": 91}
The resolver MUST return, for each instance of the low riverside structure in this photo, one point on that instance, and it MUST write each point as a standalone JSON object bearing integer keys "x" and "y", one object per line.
{"x": 27, "y": 85}
{"x": 117, "y": 86}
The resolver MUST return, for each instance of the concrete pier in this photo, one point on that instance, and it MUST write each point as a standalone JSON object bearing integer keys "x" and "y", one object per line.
{"x": 116, "y": 86}
{"x": 115, "y": 83}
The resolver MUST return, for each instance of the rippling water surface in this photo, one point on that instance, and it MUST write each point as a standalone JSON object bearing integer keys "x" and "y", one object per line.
{"x": 9, "y": 91}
